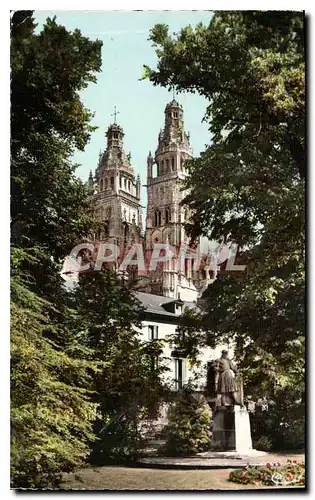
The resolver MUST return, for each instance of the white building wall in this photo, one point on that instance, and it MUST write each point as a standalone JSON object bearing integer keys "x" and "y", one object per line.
{"x": 207, "y": 354}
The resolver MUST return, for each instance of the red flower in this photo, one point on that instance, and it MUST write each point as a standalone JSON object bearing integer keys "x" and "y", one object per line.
{"x": 294, "y": 461}
{"x": 268, "y": 465}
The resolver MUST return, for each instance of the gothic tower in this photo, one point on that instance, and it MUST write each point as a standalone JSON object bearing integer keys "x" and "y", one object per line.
{"x": 165, "y": 216}
{"x": 117, "y": 197}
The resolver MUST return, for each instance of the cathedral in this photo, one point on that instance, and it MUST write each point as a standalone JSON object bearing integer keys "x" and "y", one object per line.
{"x": 175, "y": 284}
{"x": 117, "y": 206}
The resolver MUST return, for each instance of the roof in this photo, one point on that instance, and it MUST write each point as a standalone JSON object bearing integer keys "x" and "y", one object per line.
{"x": 154, "y": 303}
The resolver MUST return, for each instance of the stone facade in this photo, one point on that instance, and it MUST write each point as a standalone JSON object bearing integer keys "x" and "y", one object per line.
{"x": 117, "y": 196}
{"x": 117, "y": 205}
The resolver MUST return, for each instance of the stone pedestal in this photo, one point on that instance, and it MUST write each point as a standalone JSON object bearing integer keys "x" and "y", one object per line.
{"x": 231, "y": 430}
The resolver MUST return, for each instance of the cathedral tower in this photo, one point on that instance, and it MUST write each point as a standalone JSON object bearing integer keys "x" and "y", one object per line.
{"x": 165, "y": 216}
{"x": 117, "y": 197}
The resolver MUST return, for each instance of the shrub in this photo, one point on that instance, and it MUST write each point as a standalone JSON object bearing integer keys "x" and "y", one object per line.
{"x": 283, "y": 424}
{"x": 188, "y": 429}
{"x": 263, "y": 443}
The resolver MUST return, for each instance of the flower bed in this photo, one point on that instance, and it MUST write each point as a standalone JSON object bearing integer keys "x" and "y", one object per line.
{"x": 276, "y": 474}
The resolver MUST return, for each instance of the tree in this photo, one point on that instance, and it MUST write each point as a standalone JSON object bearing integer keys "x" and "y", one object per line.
{"x": 248, "y": 186}
{"x": 49, "y": 204}
{"x": 51, "y": 410}
{"x": 127, "y": 386}
{"x": 188, "y": 429}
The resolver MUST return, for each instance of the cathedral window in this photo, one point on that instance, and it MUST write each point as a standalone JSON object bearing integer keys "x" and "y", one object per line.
{"x": 126, "y": 230}
{"x": 120, "y": 181}
{"x": 162, "y": 167}
{"x": 125, "y": 184}
{"x": 173, "y": 164}
{"x": 175, "y": 114}
{"x": 129, "y": 186}
{"x": 101, "y": 185}
{"x": 112, "y": 182}
{"x": 106, "y": 229}
{"x": 106, "y": 183}
{"x": 167, "y": 216}
{"x": 157, "y": 218}
{"x": 115, "y": 135}
{"x": 167, "y": 166}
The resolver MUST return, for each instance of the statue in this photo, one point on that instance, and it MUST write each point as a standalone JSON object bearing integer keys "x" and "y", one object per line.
{"x": 228, "y": 383}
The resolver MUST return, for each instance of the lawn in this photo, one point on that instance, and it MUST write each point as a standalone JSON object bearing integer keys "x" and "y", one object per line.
{"x": 124, "y": 478}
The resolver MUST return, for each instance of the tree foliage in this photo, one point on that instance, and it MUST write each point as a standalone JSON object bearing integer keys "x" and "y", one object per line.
{"x": 127, "y": 386}
{"x": 188, "y": 429}
{"x": 51, "y": 368}
{"x": 51, "y": 409}
{"x": 248, "y": 186}
{"x": 49, "y": 204}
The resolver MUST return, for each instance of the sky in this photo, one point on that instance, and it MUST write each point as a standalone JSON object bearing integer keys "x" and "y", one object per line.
{"x": 140, "y": 105}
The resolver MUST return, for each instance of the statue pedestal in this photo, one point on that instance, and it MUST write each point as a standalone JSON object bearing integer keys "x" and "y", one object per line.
{"x": 231, "y": 430}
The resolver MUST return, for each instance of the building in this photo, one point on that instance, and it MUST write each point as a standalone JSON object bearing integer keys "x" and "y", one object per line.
{"x": 117, "y": 205}
{"x": 165, "y": 215}
{"x": 170, "y": 287}
{"x": 117, "y": 197}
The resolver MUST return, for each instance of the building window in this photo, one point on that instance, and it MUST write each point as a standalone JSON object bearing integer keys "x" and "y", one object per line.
{"x": 179, "y": 374}
{"x": 173, "y": 164}
{"x": 167, "y": 166}
{"x": 125, "y": 184}
{"x": 101, "y": 185}
{"x": 115, "y": 135}
{"x": 175, "y": 114}
{"x": 126, "y": 230}
{"x": 180, "y": 332}
{"x": 119, "y": 181}
{"x": 129, "y": 186}
{"x": 162, "y": 168}
{"x": 106, "y": 229}
{"x": 157, "y": 218}
{"x": 112, "y": 182}
{"x": 167, "y": 216}
{"x": 153, "y": 332}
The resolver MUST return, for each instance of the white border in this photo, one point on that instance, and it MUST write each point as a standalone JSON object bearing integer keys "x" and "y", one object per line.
{"x": 4, "y": 185}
